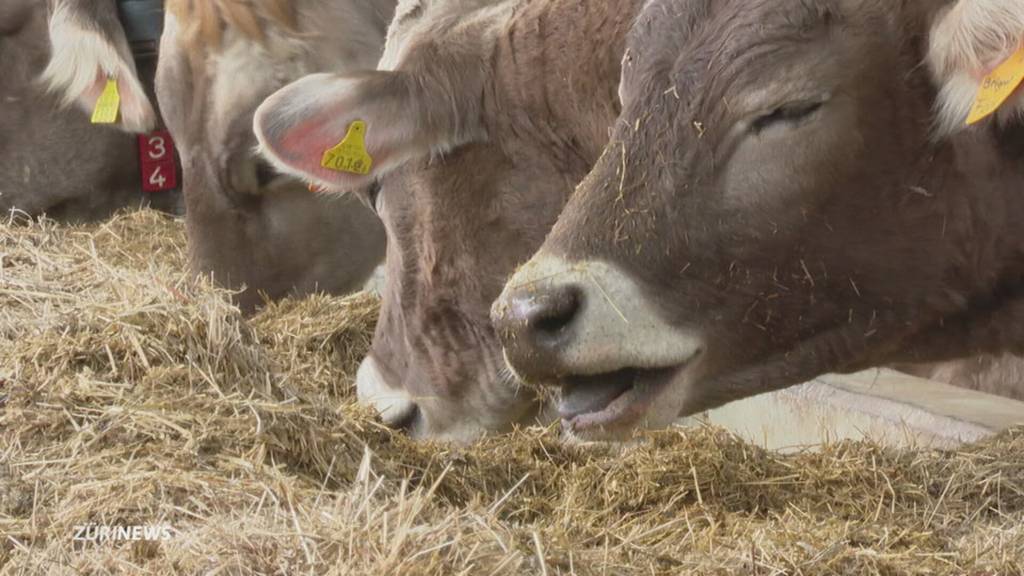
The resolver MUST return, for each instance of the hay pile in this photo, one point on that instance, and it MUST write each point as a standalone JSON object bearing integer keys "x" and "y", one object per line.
{"x": 132, "y": 394}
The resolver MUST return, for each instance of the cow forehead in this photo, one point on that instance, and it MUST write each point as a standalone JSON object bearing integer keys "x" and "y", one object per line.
{"x": 407, "y": 9}
{"x": 233, "y": 76}
{"x": 242, "y": 75}
{"x": 689, "y": 33}
{"x": 745, "y": 54}
{"x": 443, "y": 21}
{"x": 206, "y": 20}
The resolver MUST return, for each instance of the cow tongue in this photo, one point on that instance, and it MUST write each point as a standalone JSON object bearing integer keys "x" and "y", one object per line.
{"x": 583, "y": 395}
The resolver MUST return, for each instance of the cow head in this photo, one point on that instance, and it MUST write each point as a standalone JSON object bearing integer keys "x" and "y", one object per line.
{"x": 478, "y": 130}
{"x": 771, "y": 206}
{"x": 247, "y": 225}
{"x": 250, "y": 228}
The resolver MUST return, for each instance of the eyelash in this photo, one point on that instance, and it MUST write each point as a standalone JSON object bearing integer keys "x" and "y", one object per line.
{"x": 372, "y": 194}
{"x": 788, "y": 113}
{"x": 265, "y": 173}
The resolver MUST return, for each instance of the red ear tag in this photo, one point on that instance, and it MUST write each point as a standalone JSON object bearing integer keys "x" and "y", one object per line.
{"x": 156, "y": 159}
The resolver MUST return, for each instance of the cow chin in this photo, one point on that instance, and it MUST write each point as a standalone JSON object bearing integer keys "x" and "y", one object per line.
{"x": 495, "y": 407}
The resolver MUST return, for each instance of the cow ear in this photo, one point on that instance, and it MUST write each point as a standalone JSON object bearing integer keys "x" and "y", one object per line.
{"x": 90, "y": 49}
{"x": 966, "y": 42}
{"x": 318, "y": 128}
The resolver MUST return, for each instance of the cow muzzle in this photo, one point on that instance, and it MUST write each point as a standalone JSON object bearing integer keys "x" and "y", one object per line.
{"x": 587, "y": 329}
{"x": 396, "y": 409}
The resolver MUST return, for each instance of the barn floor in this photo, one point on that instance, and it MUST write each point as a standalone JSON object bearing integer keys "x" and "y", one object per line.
{"x": 130, "y": 395}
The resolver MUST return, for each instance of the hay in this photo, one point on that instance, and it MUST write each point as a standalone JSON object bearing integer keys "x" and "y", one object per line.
{"x": 134, "y": 394}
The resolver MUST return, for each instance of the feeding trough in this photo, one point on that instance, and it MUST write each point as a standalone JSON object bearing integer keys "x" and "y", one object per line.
{"x": 879, "y": 404}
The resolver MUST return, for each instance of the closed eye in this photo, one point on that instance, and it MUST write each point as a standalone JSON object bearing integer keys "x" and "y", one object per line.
{"x": 265, "y": 174}
{"x": 372, "y": 194}
{"x": 788, "y": 114}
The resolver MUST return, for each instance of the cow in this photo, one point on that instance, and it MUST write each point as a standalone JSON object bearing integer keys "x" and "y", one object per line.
{"x": 480, "y": 122}
{"x": 253, "y": 230}
{"x": 777, "y": 201}
{"x": 460, "y": 216}
{"x": 52, "y": 161}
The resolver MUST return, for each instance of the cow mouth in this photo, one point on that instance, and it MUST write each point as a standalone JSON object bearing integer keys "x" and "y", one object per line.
{"x": 613, "y": 399}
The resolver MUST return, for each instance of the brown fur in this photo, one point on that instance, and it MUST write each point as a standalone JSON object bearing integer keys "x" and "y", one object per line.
{"x": 204, "y": 21}
{"x": 460, "y": 224}
{"x": 838, "y": 240}
{"x": 251, "y": 228}
{"x": 481, "y": 118}
{"x": 35, "y": 130}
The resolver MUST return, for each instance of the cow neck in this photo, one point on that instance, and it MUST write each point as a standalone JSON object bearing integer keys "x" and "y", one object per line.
{"x": 992, "y": 163}
{"x": 979, "y": 178}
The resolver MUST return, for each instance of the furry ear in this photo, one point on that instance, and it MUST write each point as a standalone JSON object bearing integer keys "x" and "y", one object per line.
{"x": 968, "y": 41}
{"x": 89, "y": 48}
{"x": 398, "y": 116}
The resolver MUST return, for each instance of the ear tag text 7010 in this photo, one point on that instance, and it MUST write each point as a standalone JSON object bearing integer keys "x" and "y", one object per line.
{"x": 350, "y": 154}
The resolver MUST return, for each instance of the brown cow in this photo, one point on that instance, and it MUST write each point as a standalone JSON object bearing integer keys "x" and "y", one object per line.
{"x": 460, "y": 222}
{"x": 52, "y": 161}
{"x": 218, "y": 60}
{"x": 497, "y": 109}
{"x": 774, "y": 204}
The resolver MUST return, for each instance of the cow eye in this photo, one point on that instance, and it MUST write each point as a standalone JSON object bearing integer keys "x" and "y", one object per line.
{"x": 372, "y": 193}
{"x": 789, "y": 114}
{"x": 265, "y": 173}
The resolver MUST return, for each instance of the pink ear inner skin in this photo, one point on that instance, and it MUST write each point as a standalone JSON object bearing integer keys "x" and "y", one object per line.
{"x": 303, "y": 147}
{"x": 92, "y": 94}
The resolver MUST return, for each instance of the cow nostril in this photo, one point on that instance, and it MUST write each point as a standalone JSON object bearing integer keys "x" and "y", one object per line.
{"x": 536, "y": 323}
{"x": 406, "y": 421}
{"x": 554, "y": 310}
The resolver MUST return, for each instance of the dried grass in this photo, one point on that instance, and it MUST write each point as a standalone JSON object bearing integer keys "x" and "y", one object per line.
{"x": 133, "y": 394}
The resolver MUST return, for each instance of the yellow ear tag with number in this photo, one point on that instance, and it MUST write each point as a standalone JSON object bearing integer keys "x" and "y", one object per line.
{"x": 997, "y": 87}
{"x": 108, "y": 104}
{"x": 350, "y": 154}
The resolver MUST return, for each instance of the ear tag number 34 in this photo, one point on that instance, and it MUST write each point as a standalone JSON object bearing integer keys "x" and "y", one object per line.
{"x": 350, "y": 154}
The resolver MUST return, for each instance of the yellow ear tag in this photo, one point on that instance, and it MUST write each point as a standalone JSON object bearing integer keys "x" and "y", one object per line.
{"x": 997, "y": 87}
{"x": 108, "y": 104}
{"x": 350, "y": 154}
